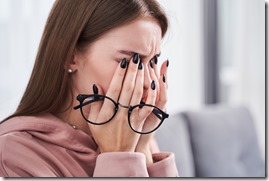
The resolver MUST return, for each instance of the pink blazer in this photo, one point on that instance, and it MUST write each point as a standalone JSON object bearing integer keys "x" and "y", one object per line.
{"x": 45, "y": 146}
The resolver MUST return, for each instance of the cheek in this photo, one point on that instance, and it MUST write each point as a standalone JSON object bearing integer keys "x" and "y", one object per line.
{"x": 104, "y": 77}
{"x": 96, "y": 72}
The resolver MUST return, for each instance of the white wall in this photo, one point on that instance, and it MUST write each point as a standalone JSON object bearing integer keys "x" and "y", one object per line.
{"x": 267, "y": 50}
{"x": 184, "y": 49}
{"x": 21, "y": 26}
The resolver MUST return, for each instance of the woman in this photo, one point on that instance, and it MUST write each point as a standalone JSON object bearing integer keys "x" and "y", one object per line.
{"x": 95, "y": 96}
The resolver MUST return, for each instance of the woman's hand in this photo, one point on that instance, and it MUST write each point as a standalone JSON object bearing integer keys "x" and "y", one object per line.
{"x": 126, "y": 88}
{"x": 143, "y": 145}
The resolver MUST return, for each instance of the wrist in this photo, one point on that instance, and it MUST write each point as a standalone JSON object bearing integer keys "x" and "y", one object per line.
{"x": 146, "y": 151}
{"x": 116, "y": 149}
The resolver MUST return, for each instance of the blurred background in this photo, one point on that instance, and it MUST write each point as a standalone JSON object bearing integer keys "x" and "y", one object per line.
{"x": 216, "y": 49}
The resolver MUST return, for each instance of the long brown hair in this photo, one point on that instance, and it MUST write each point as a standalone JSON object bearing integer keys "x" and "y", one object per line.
{"x": 75, "y": 24}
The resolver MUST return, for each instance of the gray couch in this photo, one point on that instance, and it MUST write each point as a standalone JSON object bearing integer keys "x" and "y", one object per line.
{"x": 218, "y": 141}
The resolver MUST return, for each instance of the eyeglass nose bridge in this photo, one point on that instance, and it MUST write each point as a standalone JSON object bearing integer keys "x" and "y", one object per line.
{"x": 123, "y": 106}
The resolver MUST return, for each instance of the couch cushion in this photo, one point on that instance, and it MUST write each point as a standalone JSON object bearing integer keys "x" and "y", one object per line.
{"x": 173, "y": 136}
{"x": 224, "y": 143}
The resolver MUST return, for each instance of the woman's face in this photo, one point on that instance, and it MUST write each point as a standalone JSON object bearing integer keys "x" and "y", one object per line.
{"x": 98, "y": 63}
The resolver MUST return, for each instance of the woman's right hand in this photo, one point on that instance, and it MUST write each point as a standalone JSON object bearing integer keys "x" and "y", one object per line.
{"x": 126, "y": 88}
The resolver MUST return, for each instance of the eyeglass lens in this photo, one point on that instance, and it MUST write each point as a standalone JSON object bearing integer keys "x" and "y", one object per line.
{"x": 95, "y": 102}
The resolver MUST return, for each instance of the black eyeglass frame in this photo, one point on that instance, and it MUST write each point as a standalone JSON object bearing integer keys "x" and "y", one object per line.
{"x": 96, "y": 97}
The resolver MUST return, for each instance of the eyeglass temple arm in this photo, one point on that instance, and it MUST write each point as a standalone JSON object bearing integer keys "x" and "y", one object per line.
{"x": 88, "y": 102}
{"x": 156, "y": 113}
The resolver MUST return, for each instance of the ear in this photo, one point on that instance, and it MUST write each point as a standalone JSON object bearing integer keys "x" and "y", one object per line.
{"x": 73, "y": 63}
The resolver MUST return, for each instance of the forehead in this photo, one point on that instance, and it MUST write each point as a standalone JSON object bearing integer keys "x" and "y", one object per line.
{"x": 142, "y": 35}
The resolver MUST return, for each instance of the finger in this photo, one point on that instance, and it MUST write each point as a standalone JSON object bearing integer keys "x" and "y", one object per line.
{"x": 154, "y": 77}
{"x": 138, "y": 90}
{"x": 135, "y": 120}
{"x": 129, "y": 81}
{"x": 163, "y": 93}
{"x": 153, "y": 120}
{"x": 163, "y": 71}
{"x": 95, "y": 106}
{"x": 115, "y": 87}
{"x": 116, "y": 83}
{"x": 152, "y": 93}
{"x": 155, "y": 66}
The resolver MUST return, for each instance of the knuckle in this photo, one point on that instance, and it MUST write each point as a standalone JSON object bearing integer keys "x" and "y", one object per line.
{"x": 122, "y": 114}
{"x": 162, "y": 102}
{"x": 152, "y": 96}
{"x": 121, "y": 73}
{"x": 138, "y": 93}
{"x": 132, "y": 69}
{"x": 148, "y": 110}
{"x": 115, "y": 90}
{"x": 128, "y": 87}
{"x": 163, "y": 99}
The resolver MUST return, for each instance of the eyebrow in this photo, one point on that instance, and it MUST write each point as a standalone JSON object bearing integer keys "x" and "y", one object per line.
{"x": 131, "y": 53}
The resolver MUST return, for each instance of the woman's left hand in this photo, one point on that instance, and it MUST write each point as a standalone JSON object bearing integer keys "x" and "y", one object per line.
{"x": 160, "y": 78}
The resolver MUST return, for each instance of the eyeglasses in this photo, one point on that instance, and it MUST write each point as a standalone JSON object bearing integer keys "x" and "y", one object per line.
{"x": 86, "y": 101}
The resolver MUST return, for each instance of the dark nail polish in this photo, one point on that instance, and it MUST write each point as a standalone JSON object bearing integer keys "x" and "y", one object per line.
{"x": 123, "y": 63}
{"x": 140, "y": 66}
{"x": 136, "y": 58}
{"x": 95, "y": 89}
{"x": 167, "y": 63}
{"x": 151, "y": 64}
{"x": 155, "y": 60}
{"x": 164, "y": 79}
{"x": 153, "y": 85}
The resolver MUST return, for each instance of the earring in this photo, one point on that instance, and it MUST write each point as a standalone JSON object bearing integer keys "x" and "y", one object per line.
{"x": 70, "y": 71}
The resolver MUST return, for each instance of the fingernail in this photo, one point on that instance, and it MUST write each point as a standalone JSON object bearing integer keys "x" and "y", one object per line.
{"x": 164, "y": 79}
{"x": 140, "y": 66}
{"x": 167, "y": 63}
{"x": 151, "y": 64}
{"x": 136, "y": 58}
{"x": 156, "y": 59}
{"x": 153, "y": 85}
{"x": 123, "y": 63}
{"x": 95, "y": 89}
